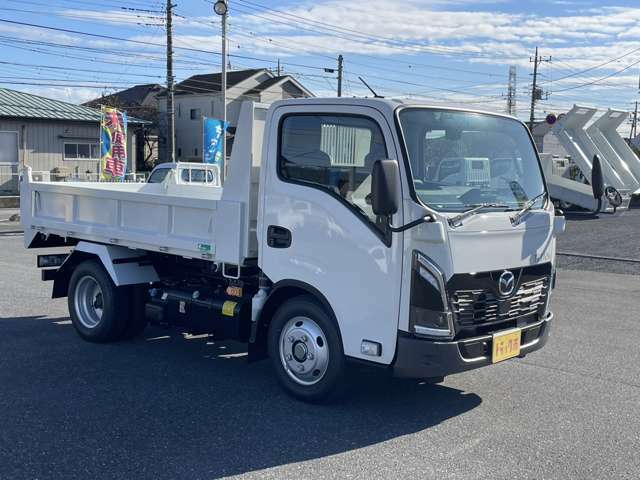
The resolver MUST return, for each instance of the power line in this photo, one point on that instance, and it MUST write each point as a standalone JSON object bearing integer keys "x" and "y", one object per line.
{"x": 270, "y": 41}
{"x": 594, "y": 82}
{"x": 85, "y": 3}
{"x": 142, "y": 42}
{"x": 182, "y": 48}
{"x": 51, "y": 67}
{"x": 580, "y": 72}
{"x": 350, "y": 34}
{"x": 101, "y": 87}
{"x": 113, "y": 82}
{"x": 407, "y": 63}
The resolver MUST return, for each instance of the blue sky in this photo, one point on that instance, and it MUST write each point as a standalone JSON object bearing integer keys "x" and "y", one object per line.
{"x": 447, "y": 51}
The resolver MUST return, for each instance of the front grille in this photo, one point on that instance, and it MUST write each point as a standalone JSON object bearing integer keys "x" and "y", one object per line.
{"x": 483, "y": 307}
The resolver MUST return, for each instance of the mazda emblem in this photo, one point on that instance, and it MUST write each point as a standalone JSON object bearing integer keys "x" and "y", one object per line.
{"x": 506, "y": 283}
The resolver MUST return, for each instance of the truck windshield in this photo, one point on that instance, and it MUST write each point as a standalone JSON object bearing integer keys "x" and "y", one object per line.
{"x": 460, "y": 160}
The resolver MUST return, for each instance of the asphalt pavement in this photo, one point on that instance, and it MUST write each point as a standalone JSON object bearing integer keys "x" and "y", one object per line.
{"x": 603, "y": 235}
{"x": 7, "y": 220}
{"x": 170, "y": 406}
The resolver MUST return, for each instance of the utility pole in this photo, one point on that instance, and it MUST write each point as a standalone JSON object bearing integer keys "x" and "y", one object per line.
{"x": 279, "y": 68}
{"x": 536, "y": 93}
{"x": 224, "y": 86}
{"x": 221, "y": 8}
{"x": 171, "y": 118}
{"x": 511, "y": 93}
{"x": 340, "y": 74}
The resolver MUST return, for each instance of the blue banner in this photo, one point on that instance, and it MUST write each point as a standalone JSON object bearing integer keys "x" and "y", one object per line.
{"x": 213, "y": 137}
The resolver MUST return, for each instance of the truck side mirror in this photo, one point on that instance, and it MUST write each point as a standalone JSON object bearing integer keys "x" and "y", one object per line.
{"x": 385, "y": 178}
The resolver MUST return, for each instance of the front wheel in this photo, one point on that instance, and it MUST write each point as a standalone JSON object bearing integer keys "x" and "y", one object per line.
{"x": 306, "y": 350}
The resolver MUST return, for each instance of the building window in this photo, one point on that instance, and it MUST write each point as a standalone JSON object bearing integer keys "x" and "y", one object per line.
{"x": 333, "y": 153}
{"x": 195, "y": 114}
{"x": 82, "y": 151}
{"x": 9, "y": 148}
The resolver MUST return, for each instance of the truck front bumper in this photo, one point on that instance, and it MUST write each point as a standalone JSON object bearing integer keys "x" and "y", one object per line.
{"x": 423, "y": 358}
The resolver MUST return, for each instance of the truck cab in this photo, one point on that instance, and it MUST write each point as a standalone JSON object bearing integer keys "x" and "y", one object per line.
{"x": 427, "y": 300}
{"x": 420, "y": 239}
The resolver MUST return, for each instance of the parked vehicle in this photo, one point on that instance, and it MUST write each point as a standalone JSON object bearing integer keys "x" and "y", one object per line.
{"x": 416, "y": 238}
{"x": 186, "y": 172}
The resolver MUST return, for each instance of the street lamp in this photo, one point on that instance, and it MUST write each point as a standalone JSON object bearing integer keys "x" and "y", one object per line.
{"x": 221, "y": 8}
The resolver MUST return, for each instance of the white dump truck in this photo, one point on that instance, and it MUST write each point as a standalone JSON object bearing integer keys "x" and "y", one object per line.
{"x": 416, "y": 238}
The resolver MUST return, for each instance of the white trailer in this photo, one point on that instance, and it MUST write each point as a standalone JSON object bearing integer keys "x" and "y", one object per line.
{"x": 565, "y": 190}
{"x": 347, "y": 229}
{"x": 582, "y": 147}
{"x": 604, "y": 133}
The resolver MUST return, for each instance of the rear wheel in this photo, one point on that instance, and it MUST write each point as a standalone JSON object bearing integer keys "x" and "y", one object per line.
{"x": 306, "y": 350}
{"x": 99, "y": 310}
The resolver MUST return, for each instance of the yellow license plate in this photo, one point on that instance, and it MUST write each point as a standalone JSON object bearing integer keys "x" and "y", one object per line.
{"x": 506, "y": 345}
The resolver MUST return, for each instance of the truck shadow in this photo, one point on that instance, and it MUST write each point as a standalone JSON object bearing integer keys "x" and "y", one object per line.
{"x": 175, "y": 406}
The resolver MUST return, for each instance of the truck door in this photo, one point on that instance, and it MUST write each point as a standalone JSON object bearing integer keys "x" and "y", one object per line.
{"x": 317, "y": 226}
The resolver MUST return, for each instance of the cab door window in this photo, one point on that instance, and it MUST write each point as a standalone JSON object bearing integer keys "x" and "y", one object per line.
{"x": 333, "y": 153}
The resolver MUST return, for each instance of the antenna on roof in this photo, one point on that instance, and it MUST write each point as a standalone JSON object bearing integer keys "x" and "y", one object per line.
{"x": 375, "y": 95}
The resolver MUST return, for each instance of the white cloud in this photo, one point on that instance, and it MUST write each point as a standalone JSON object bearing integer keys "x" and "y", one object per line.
{"x": 65, "y": 94}
{"x": 408, "y": 27}
{"x": 581, "y": 39}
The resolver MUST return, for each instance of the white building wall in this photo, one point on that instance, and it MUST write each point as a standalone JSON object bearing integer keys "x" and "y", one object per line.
{"x": 189, "y": 132}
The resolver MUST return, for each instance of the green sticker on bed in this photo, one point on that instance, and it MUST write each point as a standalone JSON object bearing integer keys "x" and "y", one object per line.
{"x": 204, "y": 247}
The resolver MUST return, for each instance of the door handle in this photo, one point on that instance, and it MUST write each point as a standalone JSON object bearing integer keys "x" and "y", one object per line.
{"x": 278, "y": 237}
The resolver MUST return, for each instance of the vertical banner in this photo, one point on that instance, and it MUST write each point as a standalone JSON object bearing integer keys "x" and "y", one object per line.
{"x": 113, "y": 144}
{"x": 213, "y": 137}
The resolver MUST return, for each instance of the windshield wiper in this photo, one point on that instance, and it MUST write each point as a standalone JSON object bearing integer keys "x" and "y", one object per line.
{"x": 517, "y": 218}
{"x": 456, "y": 221}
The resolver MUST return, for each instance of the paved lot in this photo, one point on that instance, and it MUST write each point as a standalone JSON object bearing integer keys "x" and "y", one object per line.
{"x": 167, "y": 407}
{"x": 603, "y": 235}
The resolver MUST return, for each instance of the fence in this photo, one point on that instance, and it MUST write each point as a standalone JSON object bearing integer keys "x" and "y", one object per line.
{"x": 10, "y": 179}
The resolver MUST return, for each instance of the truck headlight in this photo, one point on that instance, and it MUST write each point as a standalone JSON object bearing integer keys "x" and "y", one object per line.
{"x": 429, "y": 310}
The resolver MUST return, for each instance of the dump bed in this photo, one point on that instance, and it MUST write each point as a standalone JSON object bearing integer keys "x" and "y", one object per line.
{"x": 211, "y": 223}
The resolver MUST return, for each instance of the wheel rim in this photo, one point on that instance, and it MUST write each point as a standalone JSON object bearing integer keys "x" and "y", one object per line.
{"x": 304, "y": 351}
{"x": 88, "y": 301}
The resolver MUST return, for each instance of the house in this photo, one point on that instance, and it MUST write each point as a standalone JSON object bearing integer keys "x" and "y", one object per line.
{"x": 138, "y": 97}
{"x": 54, "y": 138}
{"x": 200, "y": 96}
{"x": 140, "y": 101}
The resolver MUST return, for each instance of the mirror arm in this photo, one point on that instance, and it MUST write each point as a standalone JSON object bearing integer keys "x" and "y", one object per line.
{"x": 415, "y": 223}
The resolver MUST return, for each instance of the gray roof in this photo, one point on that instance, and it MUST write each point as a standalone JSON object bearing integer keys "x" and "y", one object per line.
{"x": 211, "y": 82}
{"x": 133, "y": 96}
{"x": 266, "y": 84}
{"x": 15, "y": 104}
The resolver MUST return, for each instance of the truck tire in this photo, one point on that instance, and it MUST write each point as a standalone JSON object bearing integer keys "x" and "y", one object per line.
{"x": 306, "y": 350}
{"x": 137, "y": 320}
{"x": 99, "y": 310}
